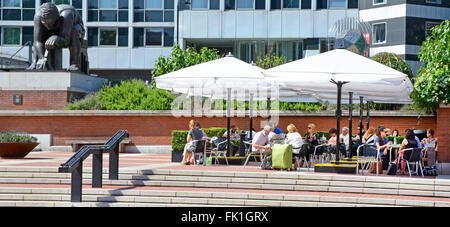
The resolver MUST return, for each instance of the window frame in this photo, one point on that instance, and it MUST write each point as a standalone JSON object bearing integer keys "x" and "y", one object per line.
{"x": 20, "y": 8}
{"x": 144, "y": 44}
{"x": 144, "y": 10}
{"x": 246, "y": 9}
{"x": 380, "y": 3}
{"x": 329, "y": 5}
{"x": 426, "y": 26}
{"x": 116, "y": 29}
{"x": 3, "y": 36}
{"x": 374, "y": 36}
{"x": 438, "y": 2}
{"x": 117, "y": 11}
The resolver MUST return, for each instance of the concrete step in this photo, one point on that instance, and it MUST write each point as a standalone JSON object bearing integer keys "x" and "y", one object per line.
{"x": 104, "y": 197}
{"x": 289, "y": 181}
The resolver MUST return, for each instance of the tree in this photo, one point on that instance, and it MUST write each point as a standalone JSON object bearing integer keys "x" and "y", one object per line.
{"x": 394, "y": 61}
{"x": 270, "y": 61}
{"x": 180, "y": 58}
{"x": 432, "y": 86}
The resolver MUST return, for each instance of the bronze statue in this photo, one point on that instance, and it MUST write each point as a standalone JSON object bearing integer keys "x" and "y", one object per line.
{"x": 57, "y": 27}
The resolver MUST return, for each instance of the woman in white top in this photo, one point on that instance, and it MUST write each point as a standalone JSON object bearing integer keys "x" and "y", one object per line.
{"x": 294, "y": 138}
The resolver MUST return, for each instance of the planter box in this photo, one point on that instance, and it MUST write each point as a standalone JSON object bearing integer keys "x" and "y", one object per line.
{"x": 16, "y": 150}
{"x": 177, "y": 156}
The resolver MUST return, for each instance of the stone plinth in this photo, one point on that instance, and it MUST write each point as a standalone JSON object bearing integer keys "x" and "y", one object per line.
{"x": 44, "y": 90}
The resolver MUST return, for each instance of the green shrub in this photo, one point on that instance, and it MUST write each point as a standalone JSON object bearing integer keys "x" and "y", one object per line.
{"x": 179, "y": 136}
{"x": 14, "y": 138}
{"x": 399, "y": 139}
{"x": 89, "y": 102}
{"x": 134, "y": 95}
{"x": 179, "y": 139}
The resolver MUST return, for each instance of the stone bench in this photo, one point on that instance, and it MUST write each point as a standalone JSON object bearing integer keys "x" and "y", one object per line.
{"x": 77, "y": 144}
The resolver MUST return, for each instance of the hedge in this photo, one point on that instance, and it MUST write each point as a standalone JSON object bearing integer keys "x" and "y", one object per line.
{"x": 179, "y": 136}
{"x": 14, "y": 138}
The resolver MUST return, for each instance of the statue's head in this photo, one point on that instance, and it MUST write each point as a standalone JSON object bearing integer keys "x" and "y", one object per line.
{"x": 49, "y": 15}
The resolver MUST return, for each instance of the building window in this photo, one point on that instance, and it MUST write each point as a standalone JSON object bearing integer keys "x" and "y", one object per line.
{"x": 326, "y": 45}
{"x": 108, "y": 10}
{"x": 108, "y": 37}
{"x": 245, "y": 4}
{"x": 155, "y": 36}
{"x": 429, "y": 27}
{"x": 377, "y": 2}
{"x": 379, "y": 33}
{"x": 153, "y": 11}
{"x": 77, "y": 4}
{"x": 11, "y": 36}
{"x": 16, "y": 35}
{"x": 199, "y": 4}
{"x": 434, "y": 1}
{"x": 337, "y": 4}
{"x": 353, "y": 4}
{"x": 290, "y": 4}
{"x": 322, "y": 4}
{"x": 306, "y": 4}
{"x": 17, "y": 10}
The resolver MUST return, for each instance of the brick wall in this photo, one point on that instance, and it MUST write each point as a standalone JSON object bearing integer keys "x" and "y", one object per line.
{"x": 443, "y": 133}
{"x": 155, "y": 129}
{"x": 37, "y": 100}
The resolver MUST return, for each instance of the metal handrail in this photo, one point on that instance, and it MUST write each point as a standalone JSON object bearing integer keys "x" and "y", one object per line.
{"x": 75, "y": 164}
{"x": 29, "y": 44}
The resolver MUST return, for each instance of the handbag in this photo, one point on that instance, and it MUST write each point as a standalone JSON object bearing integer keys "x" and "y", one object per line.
{"x": 267, "y": 163}
{"x": 373, "y": 167}
{"x": 392, "y": 169}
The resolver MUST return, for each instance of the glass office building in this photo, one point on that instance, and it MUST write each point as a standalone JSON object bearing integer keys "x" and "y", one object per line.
{"x": 126, "y": 37}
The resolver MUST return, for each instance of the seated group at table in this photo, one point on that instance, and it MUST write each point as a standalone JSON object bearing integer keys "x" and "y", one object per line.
{"x": 303, "y": 147}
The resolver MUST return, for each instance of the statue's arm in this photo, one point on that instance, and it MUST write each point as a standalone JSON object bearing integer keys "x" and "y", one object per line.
{"x": 38, "y": 38}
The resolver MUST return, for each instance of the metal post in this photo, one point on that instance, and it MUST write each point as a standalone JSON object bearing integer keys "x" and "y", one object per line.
{"x": 368, "y": 115}
{"x": 338, "y": 117}
{"x": 97, "y": 169}
{"x": 251, "y": 117}
{"x": 114, "y": 163}
{"x": 350, "y": 118}
{"x": 361, "y": 113}
{"x": 268, "y": 109}
{"x": 77, "y": 183}
{"x": 228, "y": 121}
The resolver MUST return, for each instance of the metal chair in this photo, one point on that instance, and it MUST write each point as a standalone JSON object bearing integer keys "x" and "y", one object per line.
{"x": 320, "y": 155}
{"x": 217, "y": 152}
{"x": 198, "y": 146}
{"x": 412, "y": 155}
{"x": 251, "y": 152}
{"x": 366, "y": 154}
{"x": 297, "y": 157}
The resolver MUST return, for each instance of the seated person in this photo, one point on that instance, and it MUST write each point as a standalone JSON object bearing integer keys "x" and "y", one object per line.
{"x": 196, "y": 134}
{"x": 261, "y": 139}
{"x": 247, "y": 134}
{"x": 275, "y": 134}
{"x": 369, "y": 136}
{"x": 430, "y": 148}
{"x": 294, "y": 138}
{"x": 233, "y": 134}
{"x": 408, "y": 142}
{"x": 415, "y": 137}
{"x": 381, "y": 141}
{"x": 333, "y": 141}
